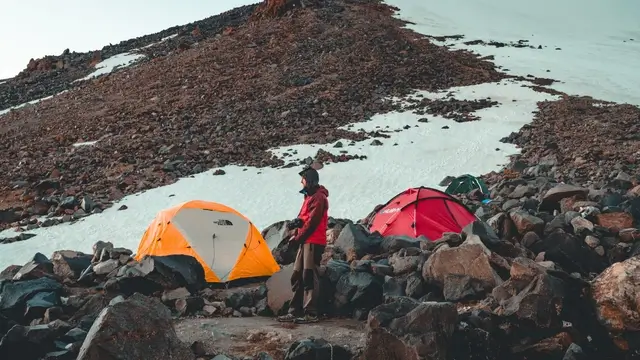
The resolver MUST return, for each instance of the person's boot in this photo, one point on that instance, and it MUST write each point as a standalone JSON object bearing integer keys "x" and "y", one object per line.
{"x": 287, "y": 318}
{"x": 306, "y": 319}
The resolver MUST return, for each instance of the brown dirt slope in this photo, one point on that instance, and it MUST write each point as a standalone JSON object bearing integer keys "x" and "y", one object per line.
{"x": 583, "y": 140}
{"x": 270, "y": 83}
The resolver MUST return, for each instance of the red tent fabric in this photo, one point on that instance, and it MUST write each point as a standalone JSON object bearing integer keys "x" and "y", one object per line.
{"x": 421, "y": 211}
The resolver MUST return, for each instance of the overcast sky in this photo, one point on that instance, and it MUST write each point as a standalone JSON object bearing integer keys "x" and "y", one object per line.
{"x": 33, "y": 28}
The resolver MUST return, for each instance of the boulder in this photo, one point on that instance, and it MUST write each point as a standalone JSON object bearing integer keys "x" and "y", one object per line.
{"x": 616, "y": 294}
{"x": 525, "y": 222}
{"x": 137, "y": 328}
{"x": 530, "y": 296}
{"x": 468, "y": 260}
{"x": 105, "y": 267}
{"x": 276, "y": 236}
{"x": 89, "y": 309}
{"x": 551, "y": 199}
{"x": 406, "y": 264}
{"x": 486, "y": 234}
{"x": 356, "y": 242}
{"x": 31, "y": 342}
{"x": 316, "y": 349}
{"x": 357, "y": 291}
{"x": 37, "y": 267}
{"x": 391, "y": 244}
{"x": 553, "y": 347}
{"x": 571, "y": 253}
{"x": 68, "y": 264}
{"x": 155, "y": 273}
{"x": 279, "y": 291}
{"x": 409, "y": 330}
{"x": 470, "y": 341}
{"x": 10, "y": 272}
{"x": 615, "y": 221}
{"x": 38, "y": 304}
{"x": 14, "y": 295}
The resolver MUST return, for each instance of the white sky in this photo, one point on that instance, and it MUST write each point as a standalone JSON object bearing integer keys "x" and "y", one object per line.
{"x": 34, "y": 28}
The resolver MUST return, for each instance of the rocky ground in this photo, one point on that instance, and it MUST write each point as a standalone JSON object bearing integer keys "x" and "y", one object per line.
{"x": 548, "y": 271}
{"x": 223, "y": 99}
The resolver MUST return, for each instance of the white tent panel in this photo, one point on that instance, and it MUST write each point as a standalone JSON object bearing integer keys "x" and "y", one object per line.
{"x": 218, "y": 237}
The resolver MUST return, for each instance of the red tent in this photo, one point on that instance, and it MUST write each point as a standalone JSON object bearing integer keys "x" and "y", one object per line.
{"x": 421, "y": 211}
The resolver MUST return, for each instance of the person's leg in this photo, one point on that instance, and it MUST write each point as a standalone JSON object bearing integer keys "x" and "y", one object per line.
{"x": 296, "y": 303}
{"x": 311, "y": 258}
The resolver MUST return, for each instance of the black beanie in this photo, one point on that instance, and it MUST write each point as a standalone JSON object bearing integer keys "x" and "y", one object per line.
{"x": 311, "y": 176}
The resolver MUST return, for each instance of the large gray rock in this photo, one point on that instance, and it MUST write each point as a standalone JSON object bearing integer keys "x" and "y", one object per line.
{"x": 530, "y": 295}
{"x": 31, "y": 342}
{"x": 551, "y": 199}
{"x": 137, "y": 328}
{"x": 279, "y": 292}
{"x": 37, "y": 267}
{"x": 526, "y": 222}
{"x": 571, "y": 253}
{"x": 409, "y": 330}
{"x": 14, "y": 295}
{"x": 156, "y": 273}
{"x": 470, "y": 261}
{"x": 356, "y": 242}
{"x": 316, "y": 349}
{"x": 277, "y": 236}
{"x": 69, "y": 264}
{"x": 391, "y": 244}
{"x": 357, "y": 291}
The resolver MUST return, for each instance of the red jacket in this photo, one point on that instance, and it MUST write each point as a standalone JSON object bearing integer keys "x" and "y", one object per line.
{"x": 314, "y": 215}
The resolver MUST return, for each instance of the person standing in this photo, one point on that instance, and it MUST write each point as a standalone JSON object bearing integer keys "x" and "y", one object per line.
{"x": 310, "y": 234}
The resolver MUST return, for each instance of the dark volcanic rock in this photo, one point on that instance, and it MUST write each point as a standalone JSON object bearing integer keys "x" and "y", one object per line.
{"x": 136, "y": 328}
{"x": 307, "y": 349}
{"x": 30, "y": 342}
{"x": 356, "y": 242}
{"x": 357, "y": 291}
{"x": 410, "y": 331}
{"x": 14, "y": 295}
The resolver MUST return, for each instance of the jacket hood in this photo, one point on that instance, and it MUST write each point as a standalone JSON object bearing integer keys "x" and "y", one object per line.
{"x": 323, "y": 190}
{"x": 317, "y": 189}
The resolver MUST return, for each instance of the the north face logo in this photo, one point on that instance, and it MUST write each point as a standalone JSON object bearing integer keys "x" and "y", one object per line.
{"x": 223, "y": 222}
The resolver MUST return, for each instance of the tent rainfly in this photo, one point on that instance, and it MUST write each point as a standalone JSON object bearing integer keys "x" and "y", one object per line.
{"x": 465, "y": 184}
{"x": 227, "y": 245}
{"x": 421, "y": 211}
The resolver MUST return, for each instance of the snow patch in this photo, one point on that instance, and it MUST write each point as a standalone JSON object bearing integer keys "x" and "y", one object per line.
{"x": 159, "y": 42}
{"x": 592, "y": 48}
{"x": 115, "y": 62}
{"x": 420, "y": 155}
{"x": 86, "y": 143}
{"x": 32, "y": 102}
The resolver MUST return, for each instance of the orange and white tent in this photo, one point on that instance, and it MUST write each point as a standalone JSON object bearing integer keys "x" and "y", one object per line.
{"x": 227, "y": 245}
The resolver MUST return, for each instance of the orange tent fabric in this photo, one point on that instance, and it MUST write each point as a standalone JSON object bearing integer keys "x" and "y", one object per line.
{"x": 225, "y": 242}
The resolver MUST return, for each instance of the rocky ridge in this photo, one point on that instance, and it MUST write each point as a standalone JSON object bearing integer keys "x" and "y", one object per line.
{"x": 53, "y": 74}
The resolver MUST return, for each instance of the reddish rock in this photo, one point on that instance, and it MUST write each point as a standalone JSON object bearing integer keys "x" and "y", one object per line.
{"x": 615, "y": 221}
{"x": 526, "y": 222}
{"x": 617, "y": 298}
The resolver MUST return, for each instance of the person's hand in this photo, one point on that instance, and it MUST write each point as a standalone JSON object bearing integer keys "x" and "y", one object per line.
{"x": 295, "y": 224}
